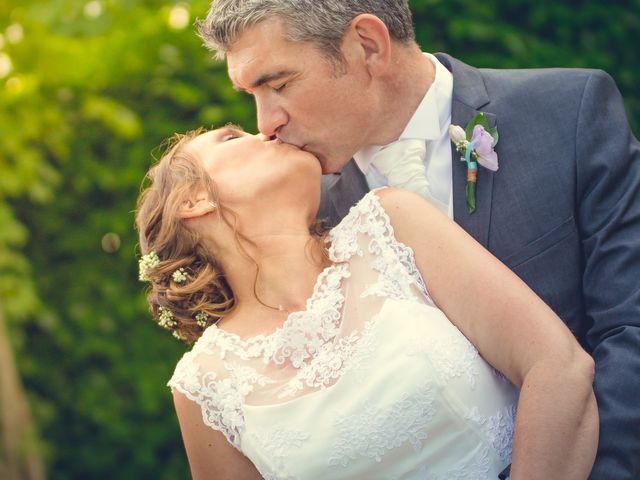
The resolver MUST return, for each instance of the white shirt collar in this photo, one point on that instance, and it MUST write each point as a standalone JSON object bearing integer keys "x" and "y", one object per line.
{"x": 429, "y": 119}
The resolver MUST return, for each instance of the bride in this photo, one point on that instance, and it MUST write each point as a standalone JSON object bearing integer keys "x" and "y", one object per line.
{"x": 389, "y": 347}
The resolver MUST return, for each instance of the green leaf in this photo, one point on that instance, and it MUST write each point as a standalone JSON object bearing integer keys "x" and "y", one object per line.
{"x": 493, "y": 131}
{"x": 469, "y": 128}
{"x": 470, "y": 192}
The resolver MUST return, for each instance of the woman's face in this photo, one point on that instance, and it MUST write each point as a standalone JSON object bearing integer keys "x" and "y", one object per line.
{"x": 249, "y": 169}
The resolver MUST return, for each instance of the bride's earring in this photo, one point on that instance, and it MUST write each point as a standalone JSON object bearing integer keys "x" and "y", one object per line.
{"x": 213, "y": 205}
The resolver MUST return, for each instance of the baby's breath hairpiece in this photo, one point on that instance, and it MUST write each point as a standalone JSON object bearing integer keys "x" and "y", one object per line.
{"x": 179, "y": 276}
{"x": 167, "y": 321}
{"x": 146, "y": 263}
{"x": 178, "y": 335}
{"x": 165, "y": 318}
{"x": 201, "y": 319}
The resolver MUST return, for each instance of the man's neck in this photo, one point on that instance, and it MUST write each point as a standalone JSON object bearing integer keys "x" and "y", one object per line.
{"x": 410, "y": 78}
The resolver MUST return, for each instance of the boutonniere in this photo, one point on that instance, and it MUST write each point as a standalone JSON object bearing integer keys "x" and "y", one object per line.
{"x": 476, "y": 145}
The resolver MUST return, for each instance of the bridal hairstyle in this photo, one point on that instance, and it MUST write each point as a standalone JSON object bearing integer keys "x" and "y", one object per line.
{"x": 322, "y": 22}
{"x": 204, "y": 293}
{"x": 199, "y": 296}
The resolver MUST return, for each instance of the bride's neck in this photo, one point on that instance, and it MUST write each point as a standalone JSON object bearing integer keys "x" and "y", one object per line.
{"x": 281, "y": 275}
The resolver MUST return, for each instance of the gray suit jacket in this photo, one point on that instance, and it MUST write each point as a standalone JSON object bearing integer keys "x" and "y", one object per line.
{"x": 563, "y": 212}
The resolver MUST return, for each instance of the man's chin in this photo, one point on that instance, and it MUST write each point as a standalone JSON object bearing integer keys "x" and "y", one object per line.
{"x": 331, "y": 165}
{"x": 326, "y": 169}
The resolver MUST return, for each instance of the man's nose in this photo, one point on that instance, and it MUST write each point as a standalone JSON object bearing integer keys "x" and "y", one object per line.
{"x": 270, "y": 118}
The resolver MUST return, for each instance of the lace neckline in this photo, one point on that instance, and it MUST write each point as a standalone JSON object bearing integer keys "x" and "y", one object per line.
{"x": 327, "y": 285}
{"x": 303, "y": 332}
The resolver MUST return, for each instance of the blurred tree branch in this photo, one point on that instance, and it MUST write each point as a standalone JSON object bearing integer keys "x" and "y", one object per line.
{"x": 19, "y": 457}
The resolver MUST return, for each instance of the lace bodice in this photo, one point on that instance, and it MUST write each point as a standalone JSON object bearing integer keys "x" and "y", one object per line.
{"x": 370, "y": 380}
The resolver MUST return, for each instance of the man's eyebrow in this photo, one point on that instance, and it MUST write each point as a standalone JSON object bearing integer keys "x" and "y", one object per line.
{"x": 266, "y": 78}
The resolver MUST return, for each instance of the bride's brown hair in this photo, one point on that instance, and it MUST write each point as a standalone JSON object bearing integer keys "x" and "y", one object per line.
{"x": 189, "y": 305}
{"x": 205, "y": 294}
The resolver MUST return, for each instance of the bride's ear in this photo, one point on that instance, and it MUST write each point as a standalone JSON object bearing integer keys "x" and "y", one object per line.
{"x": 196, "y": 208}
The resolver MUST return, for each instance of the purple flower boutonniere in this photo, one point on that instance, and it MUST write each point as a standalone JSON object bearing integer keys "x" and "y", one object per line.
{"x": 476, "y": 145}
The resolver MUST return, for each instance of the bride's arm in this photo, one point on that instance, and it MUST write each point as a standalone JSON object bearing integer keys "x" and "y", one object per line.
{"x": 515, "y": 331}
{"x": 211, "y": 456}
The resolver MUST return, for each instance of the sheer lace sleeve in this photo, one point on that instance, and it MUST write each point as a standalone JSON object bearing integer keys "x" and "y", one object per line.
{"x": 393, "y": 260}
{"x": 202, "y": 377}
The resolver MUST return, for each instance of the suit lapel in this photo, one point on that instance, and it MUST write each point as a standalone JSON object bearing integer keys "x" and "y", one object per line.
{"x": 350, "y": 187}
{"x": 469, "y": 96}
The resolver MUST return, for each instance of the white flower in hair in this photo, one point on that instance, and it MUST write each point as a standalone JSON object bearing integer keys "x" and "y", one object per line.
{"x": 165, "y": 318}
{"x": 177, "y": 334}
{"x": 146, "y": 263}
{"x": 179, "y": 275}
{"x": 201, "y": 319}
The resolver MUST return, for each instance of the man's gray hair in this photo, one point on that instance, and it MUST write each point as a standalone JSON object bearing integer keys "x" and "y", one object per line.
{"x": 322, "y": 22}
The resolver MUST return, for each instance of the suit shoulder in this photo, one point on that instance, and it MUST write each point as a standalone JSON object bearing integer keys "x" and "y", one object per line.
{"x": 550, "y": 82}
{"x": 543, "y": 74}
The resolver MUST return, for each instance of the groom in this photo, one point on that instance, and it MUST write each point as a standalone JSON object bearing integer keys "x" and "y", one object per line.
{"x": 343, "y": 78}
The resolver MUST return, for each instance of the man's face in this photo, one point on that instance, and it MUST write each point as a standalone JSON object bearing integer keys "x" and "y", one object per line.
{"x": 301, "y": 98}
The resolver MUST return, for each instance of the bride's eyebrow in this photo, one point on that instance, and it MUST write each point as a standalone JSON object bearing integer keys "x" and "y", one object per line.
{"x": 233, "y": 126}
{"x": 229, "y": 128}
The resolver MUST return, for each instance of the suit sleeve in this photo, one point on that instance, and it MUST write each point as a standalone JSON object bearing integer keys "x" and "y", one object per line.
{"x": 608, "y": 210}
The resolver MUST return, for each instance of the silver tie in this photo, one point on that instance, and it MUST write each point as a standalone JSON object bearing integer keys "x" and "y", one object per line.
{"x": 402, "y": 162}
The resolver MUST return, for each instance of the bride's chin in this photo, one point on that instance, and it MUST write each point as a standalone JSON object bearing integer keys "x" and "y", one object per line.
{"x": 315, "y": 169}
{"x": 307, "y": 171}
{"x": 310, "y": 159}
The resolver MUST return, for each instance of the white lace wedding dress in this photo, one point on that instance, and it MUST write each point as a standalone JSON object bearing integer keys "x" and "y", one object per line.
{"x": 370, "y": 381}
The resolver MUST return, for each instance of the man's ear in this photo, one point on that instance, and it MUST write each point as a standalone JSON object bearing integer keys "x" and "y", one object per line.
{"x": 196, "y": 208}
{"x": 375, "y": 42}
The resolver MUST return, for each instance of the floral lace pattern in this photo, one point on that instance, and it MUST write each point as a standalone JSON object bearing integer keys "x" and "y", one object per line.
{"x": 301, "y": 334}
{"x": 278, "y": 442}
{"x": 394, "y": 261}
{"x": 220, "y": 400}
{"x": 498, "y": 428}
{"x": 452, "y": 355}
{"x": 331, "y": 361}
{"x": 374, "y": 431}
{"x": 477, "y": 470}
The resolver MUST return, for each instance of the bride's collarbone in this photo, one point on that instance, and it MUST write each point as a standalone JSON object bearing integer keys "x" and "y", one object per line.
{"x": 252, "y": 322}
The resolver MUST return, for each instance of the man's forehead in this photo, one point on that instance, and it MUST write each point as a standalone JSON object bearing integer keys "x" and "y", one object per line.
{"x": 260, "y": 54}
{"x": 257, "y": 40}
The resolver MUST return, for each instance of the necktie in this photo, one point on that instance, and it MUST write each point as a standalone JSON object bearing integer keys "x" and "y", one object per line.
{"x": 402, "y": 162}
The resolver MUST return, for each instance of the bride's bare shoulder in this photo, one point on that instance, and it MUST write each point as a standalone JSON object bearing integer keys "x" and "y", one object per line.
{"x": 405, "y": 206}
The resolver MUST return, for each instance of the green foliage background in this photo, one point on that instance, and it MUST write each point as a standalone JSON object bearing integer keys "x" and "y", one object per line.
{"x": 87, "y": 90}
